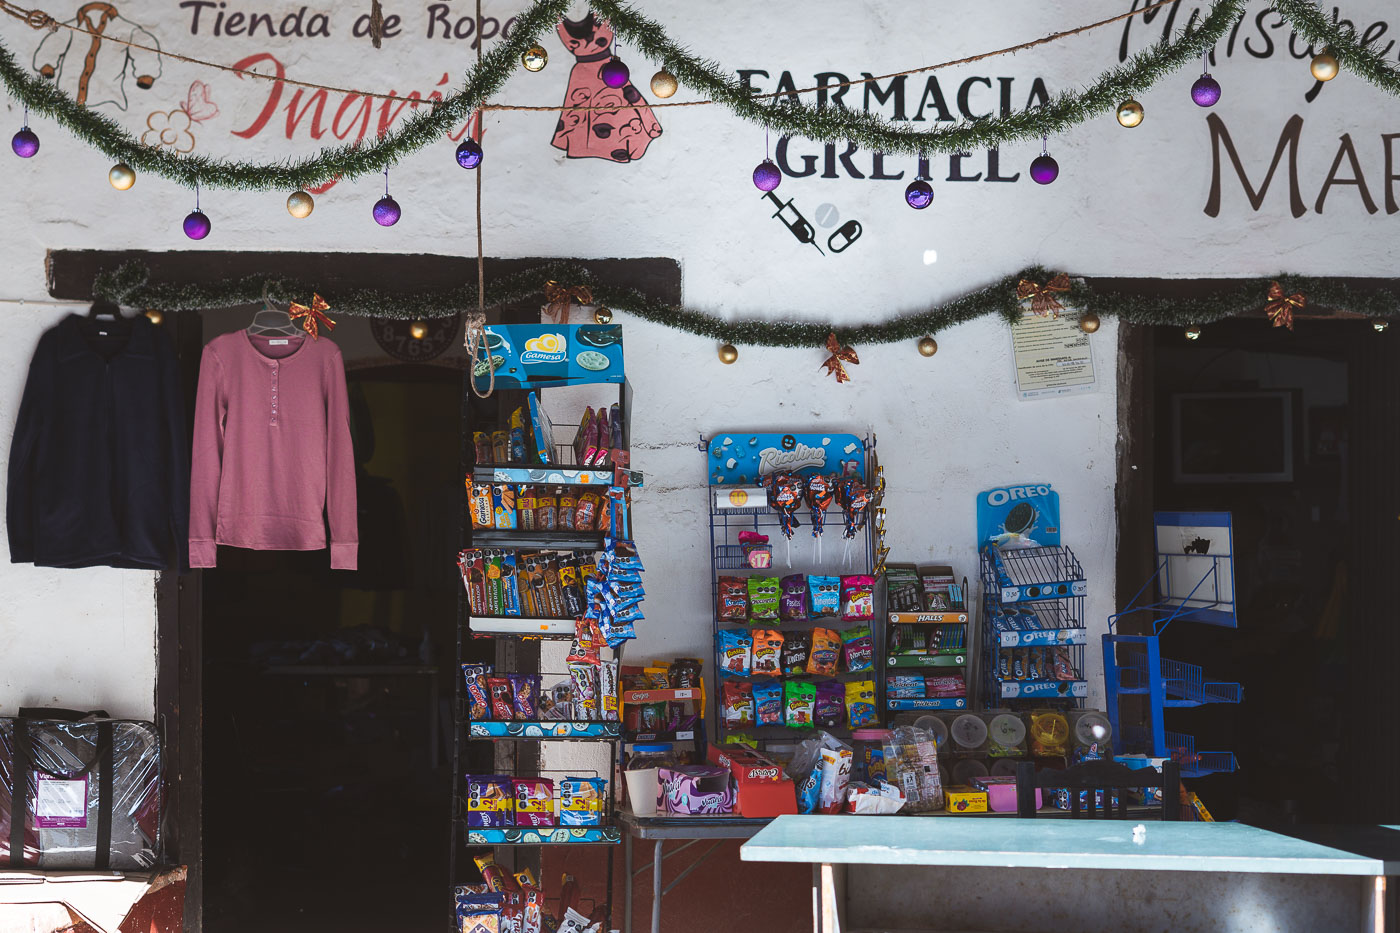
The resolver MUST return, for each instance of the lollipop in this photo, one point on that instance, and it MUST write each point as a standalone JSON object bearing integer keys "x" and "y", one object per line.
{"x": 821, "y": 490}
{"x": 785, "y": 495}
{"x": 855, "y": 501}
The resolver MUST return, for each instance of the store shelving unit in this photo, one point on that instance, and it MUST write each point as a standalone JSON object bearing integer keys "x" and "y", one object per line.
{"x": 837, "y": 559}
{"x": 946, "y": 646}
{"x": 1194, "y": 582}
{"x": 1032, "y": 617}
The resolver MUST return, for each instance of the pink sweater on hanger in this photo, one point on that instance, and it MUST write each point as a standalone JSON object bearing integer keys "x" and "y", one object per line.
{"x": 272, "y": 449}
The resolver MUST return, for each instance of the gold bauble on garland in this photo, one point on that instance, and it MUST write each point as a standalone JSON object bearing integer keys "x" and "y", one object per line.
{"x": 602, "y": 316}
{"x": 728, "y": 354}
{"x": 1130, "y": 113}
{"x": 1089, "y": 322}
{"x": 300, "y": 204}
{"x": 663, "y": 83}
{"x": 534, "y": 58}
{"x": 121, "y": 176}
{"x": 1324, "y": 66}
{"x": 418, "y": 330}
{"x": 155, "y": 315}
{"x": 928, "y": 346}
{"x": 1193, "y": 333}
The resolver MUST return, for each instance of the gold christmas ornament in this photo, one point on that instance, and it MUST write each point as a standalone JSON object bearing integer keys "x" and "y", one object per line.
{"x": 602, "y": 316}
{"x": 928, "y": 346}
{"x": 155, "y": 316}
{"x": 1324, "y": 66}
{"x": 1130, "y": 113}
{"x": 418, "y": 330}
{"x": 663, "y": 83}
{"x": 1193, "y": 333}
{"x": 1089, "y": 322}
{"x": 534, "y": 58}
{"x": 121, "y": 176}
{"x": 728, "y": 354}
{"x": 300, "y": 204}
{"x": 1379, "y": 324}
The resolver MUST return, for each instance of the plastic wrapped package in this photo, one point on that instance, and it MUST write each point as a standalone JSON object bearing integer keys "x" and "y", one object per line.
{"x": 84, "y": 782}
{"x": 911, "y": 763}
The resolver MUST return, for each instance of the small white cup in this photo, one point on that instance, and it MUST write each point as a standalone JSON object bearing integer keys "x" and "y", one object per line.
{"x": 643, "y": 787}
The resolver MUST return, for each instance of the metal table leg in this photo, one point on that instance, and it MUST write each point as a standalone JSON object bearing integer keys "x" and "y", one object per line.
{"x": 656, "y": 890}
{"x": 627, "y": 898}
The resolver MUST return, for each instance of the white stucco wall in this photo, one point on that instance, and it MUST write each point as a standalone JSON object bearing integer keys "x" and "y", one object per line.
{"x": 1128, "y": 202}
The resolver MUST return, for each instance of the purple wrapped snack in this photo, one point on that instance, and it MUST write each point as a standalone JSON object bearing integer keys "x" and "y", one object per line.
{"x": 792, "y": 603}
{"x": 830, "y": 712}
{"x": 527, "y": 696}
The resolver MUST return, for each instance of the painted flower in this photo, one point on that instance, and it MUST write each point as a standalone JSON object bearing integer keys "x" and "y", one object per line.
{"x": 171, "y": 129}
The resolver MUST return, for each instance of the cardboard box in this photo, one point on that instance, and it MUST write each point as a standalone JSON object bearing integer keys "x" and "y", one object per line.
{"x": 965, "y": 800}
{"x": 761, "y": 788}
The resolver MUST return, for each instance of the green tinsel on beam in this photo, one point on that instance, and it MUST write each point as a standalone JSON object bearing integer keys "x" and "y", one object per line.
{"x": 1353, "y": 57}
{"x": 128, "y": 285}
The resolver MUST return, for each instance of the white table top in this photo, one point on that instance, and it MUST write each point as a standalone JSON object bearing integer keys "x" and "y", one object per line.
{"x": 1017, "y": 843}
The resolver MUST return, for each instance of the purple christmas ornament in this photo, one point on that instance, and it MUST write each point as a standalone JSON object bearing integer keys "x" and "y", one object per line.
{"x": 197, "y": 225}
{"x": 25, "y": 143}
{"x": 919, "y": 194}
{"x": 469, "y": 153}
{"x": 614, "y": 72}
{"x": 386, "y": 211}
{"x": 1206, "y": 91}
{"x": 766, "y": 176}
{"x": 1044, "y": 169}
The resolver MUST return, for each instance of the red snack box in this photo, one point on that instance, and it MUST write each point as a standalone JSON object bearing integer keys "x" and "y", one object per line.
{"x": 761, "y": 787}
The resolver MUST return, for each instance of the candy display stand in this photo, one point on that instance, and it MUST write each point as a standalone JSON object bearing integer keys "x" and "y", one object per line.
{"x": 928, "y": 642}
{"x": 1195, "y": 582}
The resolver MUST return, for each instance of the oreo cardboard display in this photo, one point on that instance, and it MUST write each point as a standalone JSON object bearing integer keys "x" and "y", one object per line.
{"x": 1019, "y": 516}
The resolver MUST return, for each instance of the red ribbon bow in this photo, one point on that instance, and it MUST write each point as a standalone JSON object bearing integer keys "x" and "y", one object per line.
{"x": 839, "y": 354}
{"x": 1280, "y": 306}
{"x": 315, "y": 315}
{"x": 1042, "y": 296}
{"x": 561, "y": 296}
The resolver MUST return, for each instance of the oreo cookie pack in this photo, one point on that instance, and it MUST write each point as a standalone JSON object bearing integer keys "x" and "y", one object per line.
{"x": 1018, "y": 516}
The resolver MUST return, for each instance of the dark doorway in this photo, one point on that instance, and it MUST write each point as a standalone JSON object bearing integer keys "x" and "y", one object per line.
{"x": 326, "y": 781}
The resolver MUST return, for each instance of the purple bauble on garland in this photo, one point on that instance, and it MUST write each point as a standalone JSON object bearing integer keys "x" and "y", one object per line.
{"x": 469, "y": 153}
{"x": 614, "y": 72}
{"x": 386, "y": 211}
{"x": 197, "y": 225}
{"x": 1206, "y": 91}
{"x": 1044, "y": 169}
{"x": 919, "y": 194}
{"x": 766, "y": 176}
{"x": 25, "y": 143}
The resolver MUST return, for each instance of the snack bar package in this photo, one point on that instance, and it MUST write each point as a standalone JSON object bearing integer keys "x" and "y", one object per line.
{"x": 472, "y": 563}
{"x": 792, "y": 601}
{"x": 581, "y": 801}
{"x": 525, "y": 503}
{"x": 767, "y": 652}
{"x": 526, "y": 688}
{"x": 607, "y": 690}
{"x": 737, "y": 699}
{"x": 502, "y": 698}
{"x": 859, "y": 645}
{"x": 824, "y": 597}
{"x": 860, "y": 703}
{"x": 797, "y": 646}
{"x": 768, "y": 701}
{"x": 534, "y": 801}
{"x": 826, "y": 652}
{"x": 478, "y": 694}
{"x": 830, "y": 710}
{"x": 585, "y": 684}
{"x": 735, "y": 652}
{"x": 858, "y": 598}
{"x": 799, "y": 703}
{"x": 733, "y": 600}
{"x": 503, "y": 503}
{"x": 497, "y": 879}
{"x": 480, "y": 504}
{"x": 490, "y": 801}
{"x": 763, "y": 599}
{"x": 836, "y": 774}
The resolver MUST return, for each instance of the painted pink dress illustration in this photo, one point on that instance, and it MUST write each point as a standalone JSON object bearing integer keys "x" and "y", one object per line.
{"x": 625, "y": 126}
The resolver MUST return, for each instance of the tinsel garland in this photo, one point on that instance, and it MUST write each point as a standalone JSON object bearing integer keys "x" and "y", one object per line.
{"x": 429, "y": 125}
{"x": 1354, "y": 58}
{"x": 128, "y": 285}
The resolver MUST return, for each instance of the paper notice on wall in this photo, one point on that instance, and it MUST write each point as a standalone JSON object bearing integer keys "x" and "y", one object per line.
{"x": 1053, "y": 356}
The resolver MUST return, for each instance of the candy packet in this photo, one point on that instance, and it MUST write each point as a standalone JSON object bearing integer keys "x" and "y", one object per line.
{"x": 490, "y": 802}
{"x": 757, "y": 553}
{"x": 763, "y": 599}
{"x": 534, "y": 801}
{"x": 481, "y": 507}
{"x": 510, "y": 585}
{"x": 586, "y": 512}
{"x": 826, "y": 652}
{"x": 526, "y": 690}
{"x": 473, "y": 568}
{"x": 546, "y": 509}
{"x": 525, "y": 508}
{"x": 733, "y": 600}
{"x": 860, "y": 703}
{"x": 911, "y": 761}
{"x": 585, "y": 684}
{"x": 835, "y": 775}
{"x": 792, "y": 600}
{"x": 859, "y": 646}
{"x": 768, "y": 702}
{"x": 767, "y": 652}
{"x": 502, "y": 698}
{"x": 799, "y": 702}
{"x": 858, "y": 598}
{"x": 567, "y": 508}
{"x": 587, "y": 640}
{"x": 735, "y": 652}
{"x": 607, "y": 691}
{"x": 737, "y": 698}
{"x": 796, "y": 648}
{"x": 503, "y": 503}
{"x": 830, "y": 709}
{"x": 824, "y": 597}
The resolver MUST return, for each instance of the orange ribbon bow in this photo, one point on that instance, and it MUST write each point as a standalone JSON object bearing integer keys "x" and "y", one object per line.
{"x": 839, "y": 354}
{"x": 561, "y": 296}
{"x": 1280, "y": 306}
{"x": 1042, "y": 296}
{"x": 315, "y": 316}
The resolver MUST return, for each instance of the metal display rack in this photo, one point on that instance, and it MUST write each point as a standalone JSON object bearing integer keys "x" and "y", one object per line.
{"x": 838, "y": 557}
{"x": 1032, "y": 622}
{"x": 943, "y": 640}
{"x": 1194, "y": 580}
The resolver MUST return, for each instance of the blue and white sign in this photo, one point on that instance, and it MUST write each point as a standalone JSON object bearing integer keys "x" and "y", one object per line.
{"x": 745, "y": 458}
{"x": 533, "y": 356}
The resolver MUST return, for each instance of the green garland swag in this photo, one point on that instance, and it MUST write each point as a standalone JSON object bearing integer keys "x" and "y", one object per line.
{"x": 128, "y": 285}
{"x": 430, "y": 125}
{"x": 1352, "y": 56}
